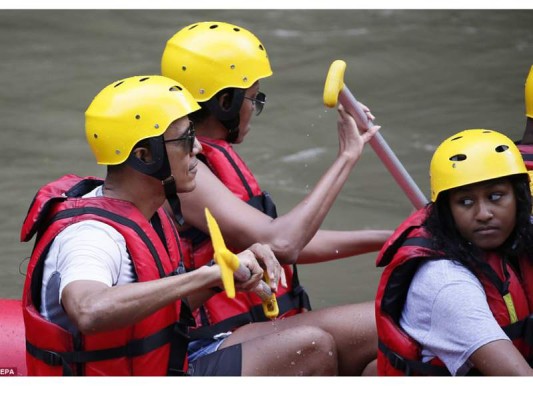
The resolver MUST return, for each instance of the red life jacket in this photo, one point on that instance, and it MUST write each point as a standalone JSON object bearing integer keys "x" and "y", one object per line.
{"x": 406, "y": 249}
{"x": 153, "y": 346}
{"x": 527, "y": 155}
{"x": 220, "y": 314}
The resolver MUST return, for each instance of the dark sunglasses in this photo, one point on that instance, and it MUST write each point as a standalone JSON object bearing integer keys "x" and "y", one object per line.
{"x": 258, "y": 102}
{"x": 188, "y": 137}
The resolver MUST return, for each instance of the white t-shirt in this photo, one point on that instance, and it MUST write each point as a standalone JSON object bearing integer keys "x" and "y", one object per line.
{"x": 87, "y": 250}
{"x": 446, "y": 311}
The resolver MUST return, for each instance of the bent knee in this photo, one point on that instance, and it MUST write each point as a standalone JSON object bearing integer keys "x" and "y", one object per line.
{"x": 320, "y": 348}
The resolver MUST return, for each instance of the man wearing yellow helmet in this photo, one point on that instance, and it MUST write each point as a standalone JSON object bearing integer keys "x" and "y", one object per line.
{"x": 106, "y": 290}
{"x": 457, "y": 290}
{"x": 222, "y": 65}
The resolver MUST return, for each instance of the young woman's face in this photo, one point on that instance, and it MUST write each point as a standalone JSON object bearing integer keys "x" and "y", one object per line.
{"x": 247, "y": 111}
{"x": 485, "y": 212}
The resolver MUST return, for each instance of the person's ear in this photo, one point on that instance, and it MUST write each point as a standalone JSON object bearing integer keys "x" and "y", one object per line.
{"x": 142, "y": 154}
{"x": 225, "y": 101}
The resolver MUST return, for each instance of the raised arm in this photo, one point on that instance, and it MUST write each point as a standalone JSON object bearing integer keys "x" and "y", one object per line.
{"x": 288, "y": 234}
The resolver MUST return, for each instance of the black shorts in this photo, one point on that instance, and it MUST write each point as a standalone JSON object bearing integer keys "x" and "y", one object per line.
{"x": 223, "y": 362}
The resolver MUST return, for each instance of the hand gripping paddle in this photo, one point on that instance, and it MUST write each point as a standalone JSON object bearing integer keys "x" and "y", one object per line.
{"x": 335, "y": 89}
{"x": 230, "y": 266}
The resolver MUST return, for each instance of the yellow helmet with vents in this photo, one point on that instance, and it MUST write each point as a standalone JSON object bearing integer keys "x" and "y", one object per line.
{"x": 130, "y": 110}
{"x": 472, "y": 156}
{"x": 210, "y": 56}
{"x": 529, "y": 94}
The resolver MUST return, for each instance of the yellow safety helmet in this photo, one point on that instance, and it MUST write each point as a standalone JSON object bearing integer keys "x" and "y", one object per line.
{"x": 130, "y": 110}
{"x": 210, "y": 56}
{"x": 529, "y": 94}
{"x": 472, "y": 156}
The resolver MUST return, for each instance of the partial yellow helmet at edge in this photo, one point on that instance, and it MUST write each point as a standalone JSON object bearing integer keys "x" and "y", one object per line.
{"x": 210, "y": 56}
{"x": 472, "y": 156}
{"x": 529, "y": 94}
{"x": 130, "y": 110}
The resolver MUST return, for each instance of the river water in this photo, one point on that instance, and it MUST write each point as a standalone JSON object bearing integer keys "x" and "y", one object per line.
{"x": 425, "y": 74}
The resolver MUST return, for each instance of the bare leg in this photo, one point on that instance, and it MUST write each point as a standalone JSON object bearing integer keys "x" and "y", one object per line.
{"x": 352, "y": 328}
{"x": 301, "y": 351}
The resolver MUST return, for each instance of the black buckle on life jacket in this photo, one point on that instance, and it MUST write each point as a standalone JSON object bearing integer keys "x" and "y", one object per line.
{"x": 528, "y": 330}
{"x": 50, "y": 357}
{"x": 398, "y": 362}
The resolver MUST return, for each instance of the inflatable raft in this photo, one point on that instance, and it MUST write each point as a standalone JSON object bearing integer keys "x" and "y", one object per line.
{"x": 12, "y": 339}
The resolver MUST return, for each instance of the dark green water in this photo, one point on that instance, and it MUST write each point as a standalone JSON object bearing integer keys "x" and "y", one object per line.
{"x": 425, "y": 74}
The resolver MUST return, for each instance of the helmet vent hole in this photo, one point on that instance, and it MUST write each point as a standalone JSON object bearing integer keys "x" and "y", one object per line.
{"x": 458, "y": 157}
{"x": 137, "y": 116}
{"x": 118, "y": 84}
{"x": 144, "y": 79}
{"x": 456, "y": 138}
{"x": 184, "y": 68}
{"x": 194, "y": 26}
{"x": 487, "y": 131}
{"x": 501, "y": 148}
{"x": 95, "y": 135}
{"x": 175, "y": 88}
{"x": 213, "y": 27}
{"x": 236, "y": 29}
{"x": 261, "y": 47}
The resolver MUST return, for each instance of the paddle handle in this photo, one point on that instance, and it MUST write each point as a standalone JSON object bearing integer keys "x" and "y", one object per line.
{"x": 383, "y": 151}
{"x": 262, "y": 290}
{"x": 268, "y": 299}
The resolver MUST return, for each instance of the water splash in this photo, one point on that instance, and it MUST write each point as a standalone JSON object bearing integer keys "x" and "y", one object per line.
{"x": 303, "y": 155}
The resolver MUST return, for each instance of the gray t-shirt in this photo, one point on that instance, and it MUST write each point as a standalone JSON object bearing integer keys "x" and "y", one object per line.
{"x": 87, "y": 250}
{"x": 446, "y": 311}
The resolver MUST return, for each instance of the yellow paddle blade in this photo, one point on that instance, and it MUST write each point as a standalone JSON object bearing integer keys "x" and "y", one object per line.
{"x": 270, "y": 305}
{"x": 334, "y": 83}
{"x": 227, "y": 261}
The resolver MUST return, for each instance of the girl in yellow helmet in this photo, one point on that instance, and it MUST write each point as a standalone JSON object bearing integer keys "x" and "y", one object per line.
{"x": 456, "y": 294}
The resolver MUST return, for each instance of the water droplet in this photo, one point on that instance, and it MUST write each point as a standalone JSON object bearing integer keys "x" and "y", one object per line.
{"x": 299, "y": 352}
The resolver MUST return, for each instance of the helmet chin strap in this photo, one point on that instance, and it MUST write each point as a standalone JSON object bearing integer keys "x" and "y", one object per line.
{"x": 228, "y": 116}
{"x": 169, "y": 185}
{"x": 159, "y": 168}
